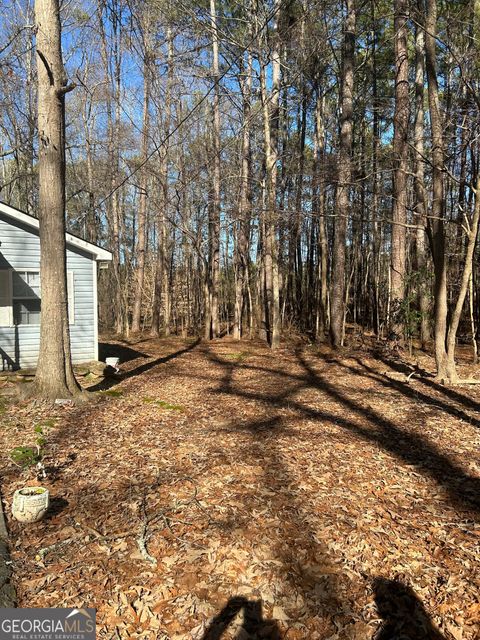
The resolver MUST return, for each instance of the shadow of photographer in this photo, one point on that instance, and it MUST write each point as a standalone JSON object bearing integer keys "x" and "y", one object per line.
{"x": 402, "y": 612}
{"x": 253, "y": 626}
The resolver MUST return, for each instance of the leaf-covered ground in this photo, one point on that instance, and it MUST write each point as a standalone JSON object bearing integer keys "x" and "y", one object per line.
{"x": 223, "y": 491}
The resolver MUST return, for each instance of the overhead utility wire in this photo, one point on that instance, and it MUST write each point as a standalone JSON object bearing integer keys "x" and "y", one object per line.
{"x": 273, "y": 13}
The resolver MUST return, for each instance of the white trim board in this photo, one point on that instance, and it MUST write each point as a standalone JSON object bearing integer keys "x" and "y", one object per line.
{"x": 95, "y": 309}
{"x": 15, "y": 214}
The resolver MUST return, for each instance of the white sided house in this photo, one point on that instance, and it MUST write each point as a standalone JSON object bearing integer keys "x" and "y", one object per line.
{"x": 20, "y": 291}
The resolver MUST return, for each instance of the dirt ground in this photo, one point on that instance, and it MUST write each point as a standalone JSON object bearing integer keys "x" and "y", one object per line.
{"x": 224, "y": 491}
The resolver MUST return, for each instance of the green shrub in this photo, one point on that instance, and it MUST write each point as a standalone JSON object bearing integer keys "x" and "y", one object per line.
{"x": 113, "y": 393}
{"x": 25, "y": 457}
{"x": 29, "y": 456}
{"x": 163, "y": 404}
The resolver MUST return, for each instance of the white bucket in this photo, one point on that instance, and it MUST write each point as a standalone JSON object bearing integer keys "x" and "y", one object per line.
{"x": 30, "y": 504}
{"x": 112, "y": 362}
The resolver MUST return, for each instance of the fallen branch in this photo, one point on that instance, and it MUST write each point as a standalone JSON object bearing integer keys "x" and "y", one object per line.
{"x": 142, "y": 545}
{"x": 194, "y": 499}
{"x": 56, "y": 545}
{"x": 168, "y": 522}
{"x": 142, "y": 536}
{"x": 145, "y": 528}
{"x": 97, "y": 538}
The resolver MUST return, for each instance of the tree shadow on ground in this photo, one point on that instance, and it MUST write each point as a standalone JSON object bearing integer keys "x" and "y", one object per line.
{"x": 428, "y": 381}
{"x": 397, "y": 604}
{"x": 410, "y": 448}
{"x": 402, "y": 612}
{"x": 305, "y": 564}
{"x": 254, "y": 624}
{"x": 112, "y": 381}
{"x": 118, "y": 350}
{"x": 55, "y": 470}
{"x": 307, "y": 568}
{"x": 56, "y": 506}
{"x": 370, "y": 425}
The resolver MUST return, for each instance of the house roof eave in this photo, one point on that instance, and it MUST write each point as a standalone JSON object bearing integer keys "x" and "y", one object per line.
{"x": 99, "y": 253}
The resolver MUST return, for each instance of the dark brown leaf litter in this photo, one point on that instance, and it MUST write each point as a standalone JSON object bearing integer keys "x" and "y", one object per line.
{"x": 220, "y": 490}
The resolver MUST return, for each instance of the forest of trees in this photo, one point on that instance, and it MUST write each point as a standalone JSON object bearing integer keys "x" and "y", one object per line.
{"x": 267, "y": 168}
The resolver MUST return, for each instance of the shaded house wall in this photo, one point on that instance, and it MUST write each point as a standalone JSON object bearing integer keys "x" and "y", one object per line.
{"x": 19, "y": 343}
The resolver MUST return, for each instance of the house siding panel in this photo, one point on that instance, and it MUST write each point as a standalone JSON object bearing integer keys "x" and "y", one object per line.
{"x": 20, "y": 248}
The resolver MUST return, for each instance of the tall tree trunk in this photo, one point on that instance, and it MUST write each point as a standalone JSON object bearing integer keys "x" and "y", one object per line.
{"x": 212, "y": 317}
{"x": 301, "y": 303}
{"x": 400, "y": 157}
{"x": 91, "y": 231}
{"x": 261, "y": 309}
{"x": 142, "y": 208}
{"x": 30, "y": 99}
{"x": 243, "y": 224}
{"x": 342, "y": 204}
{"x": 419, "y": 184}
{"x": 472, "y": 234}
{"x": 162, "y": 281}
{"x": 54, "y": 378}
{"x": 436, "y": 219}
{"x": 318, "y": 211}
{"x": 471, "y": 226}
{"x": 112, "y": 62}
{"x": 271, "y": 122}
{"x": 375, "y": 224}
